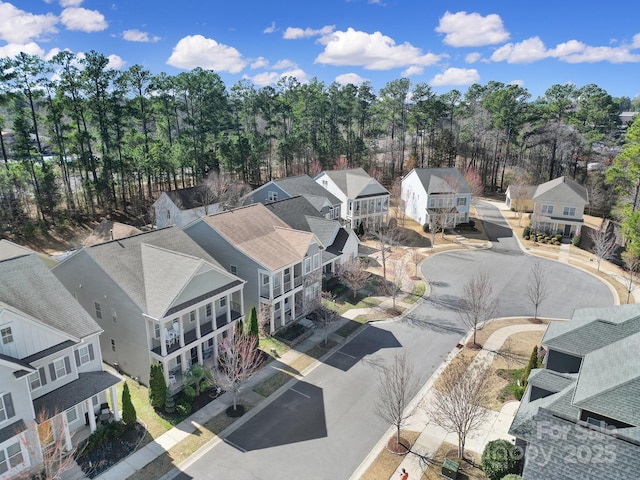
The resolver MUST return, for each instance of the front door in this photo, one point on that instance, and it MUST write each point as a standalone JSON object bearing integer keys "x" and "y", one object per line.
{"x": 567, "y": 230}
{"x": 194, "y": 355}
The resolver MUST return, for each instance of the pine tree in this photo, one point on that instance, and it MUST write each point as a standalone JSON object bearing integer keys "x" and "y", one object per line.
{"x": 169, "y": 403}
{"x": 533, "y": 363}
{"x": 129, "y": 415}
{"x": 157, "y": 387}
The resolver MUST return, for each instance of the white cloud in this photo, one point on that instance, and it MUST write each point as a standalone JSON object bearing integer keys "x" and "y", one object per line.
{"x": 283, "y": 64}
{"x": 372, "y": 51}
{"x": 13, "y": 49}
{"x": 271, "y": 78}
{"x": 270, "y": 29}
{"x": 413, "y": 70}
{"x": 573, "y": 51}
{"x": 18, "y": 26}
{"x": 464, "y": 29}
{"x": 197, "y": 51}
{"x": 519, "y": 83}
{"x": 472, "y": 57}
{"x": 259, "y": 62}
{"x": 115, "y": 61}
{"x": 347, "y": 78}
{"x": 83, "y": 20}
{"x": 295, "y": 33}
{"x": 636, "y": 41}
{"x": 456, "y": 76}
{"x": 138, "y": 36}
{"x": 70, "y": 3}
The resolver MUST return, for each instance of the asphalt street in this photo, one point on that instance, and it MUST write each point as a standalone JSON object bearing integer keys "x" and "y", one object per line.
{"x": 323, "y": 426}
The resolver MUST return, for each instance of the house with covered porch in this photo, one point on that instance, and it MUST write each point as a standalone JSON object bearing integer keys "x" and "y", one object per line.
{"x": 558, "y": 207}
{"x": 160, "y": 299}
{"x": 52, "y": 384}
{"x": 281, "y": 265}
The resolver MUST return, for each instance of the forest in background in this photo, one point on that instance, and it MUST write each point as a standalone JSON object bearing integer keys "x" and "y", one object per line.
{"x": 82, "y": 140}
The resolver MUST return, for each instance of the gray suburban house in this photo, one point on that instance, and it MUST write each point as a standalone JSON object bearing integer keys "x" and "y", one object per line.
{"x": 580, "y": 415}
{"x": 160, "y": 299}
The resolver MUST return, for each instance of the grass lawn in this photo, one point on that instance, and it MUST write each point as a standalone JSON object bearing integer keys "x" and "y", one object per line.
{"x": 467, "y": 471}
{"x": 347, "y": 302}
{"x": 418, "y": 291}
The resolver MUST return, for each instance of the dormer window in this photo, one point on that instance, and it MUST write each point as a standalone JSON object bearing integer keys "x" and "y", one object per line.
{"x": 6, "y": 335}
{"x": 168, "y": 214}
{"x": 272, "y": 196}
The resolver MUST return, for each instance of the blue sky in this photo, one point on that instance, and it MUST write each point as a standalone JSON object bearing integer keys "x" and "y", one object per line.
{"x": 446, "y": 43}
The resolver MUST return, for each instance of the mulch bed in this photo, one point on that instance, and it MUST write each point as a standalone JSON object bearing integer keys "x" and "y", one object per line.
{"x": 116, "y": 449}
{"x": 399, "y": 447}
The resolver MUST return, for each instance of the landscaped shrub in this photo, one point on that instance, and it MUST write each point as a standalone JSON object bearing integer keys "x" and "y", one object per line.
{"x": 102, "y": 435}
{"x": 558, "y": 237}
{"x": 500, "y": 458}
{"x": 183, "y": 407}
{"x": 526, "y": 233}
{"x": 526, "y": 237}
{"x": 169, "y": 402}
{"x": 128, "y": 410}
{"x": 512, "y": 476}
{"x": 472, "y": 223}
{"x": 189, "y": 393}
{"x": 426, "y": 228}
{"x": 576, "y": 240}
{"x": 533, "y": 363}
{"x": 157, "y": 386}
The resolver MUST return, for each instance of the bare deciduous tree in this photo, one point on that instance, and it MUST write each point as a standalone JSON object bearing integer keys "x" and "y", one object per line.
{"x": 238, "y": 360}
{"x": 47, "y": 447}
{"x": 478, "y": 303}
{"x": 416, "y": 257}
{"x": 519, "y": 196}
{"x": 537, "y": 290}
{"x": 474, "y": 180}
{"x": 632, "y": 265}
{"x": 459, "y": 400}
{"x": 604, "y": 244}
{"x": 325, "y": 313}
{"x": 354, "y": 274}
{"x": 398, "y": 275}
{"x": 222, "y": 189}
{"x": 389, "y": 236}
{"x": 397, "y": 385}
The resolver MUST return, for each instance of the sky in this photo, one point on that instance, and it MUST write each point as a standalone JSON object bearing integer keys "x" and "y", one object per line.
{"x": 449, "y": 44}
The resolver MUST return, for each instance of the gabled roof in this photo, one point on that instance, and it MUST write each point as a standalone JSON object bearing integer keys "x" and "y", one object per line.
{"x": 298, "y": 213}
{"x": 9, "y": 250}
{"x": 305, "y": 185}
{"x": 110, "y": 230}
{"x": 355, "y": 183}
{"x": 154, "y": 267}
{"x": 442, "y": 180}
{"x": 261, "y": 235}
{"x": 561, "y": 189}
{"x": 612, "y": 392}
{"x": 191, "y": 197}
{"x": 592, "y": 328}
{"x": 525, "y": 192}
{"x": 27, "y": 285}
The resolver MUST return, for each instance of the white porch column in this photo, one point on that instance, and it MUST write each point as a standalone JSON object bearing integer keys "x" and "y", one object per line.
{"x": 91, "y": 414}
{"x": 228, "y": 309}
{"x": 180, "y": 332}
{"x": 163, "y": 340}
{"x": 292, "y": 299}
{"x": 198, "y": 332}
{"x": 114, "y": 402}
{"x": 199, "y": 350}
{"x": 68, "y": 446}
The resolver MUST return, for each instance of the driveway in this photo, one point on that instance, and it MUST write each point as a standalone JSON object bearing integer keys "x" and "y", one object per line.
{"x": 324, "y": 426}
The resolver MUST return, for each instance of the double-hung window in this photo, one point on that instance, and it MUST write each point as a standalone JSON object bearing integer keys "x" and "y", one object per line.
{"x": 6, "y": 407}
{"x": 569, "y": 211}
{"x": 547, "y": 209}
{"x": 7, "y": 335}
{"x": 10, "y": 457}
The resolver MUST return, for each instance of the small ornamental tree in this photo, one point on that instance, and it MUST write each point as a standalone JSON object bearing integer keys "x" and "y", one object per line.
{"x": 129, "y": 415}
{"x": 533, "y": 363}
{"x": 500, "y": 458}
{"x": 157, "y": 386}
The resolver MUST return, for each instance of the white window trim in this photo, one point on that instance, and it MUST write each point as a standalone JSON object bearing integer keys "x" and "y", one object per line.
{"x": 546, "y": 209}
{"x": 75, "y": 412}
{"x": 7, "y": 335}
{"x": 566, "y": 214}
{"x": 31, "y": 382}
{"x": 64, "y": 368}
{"x": 83, "y": 351}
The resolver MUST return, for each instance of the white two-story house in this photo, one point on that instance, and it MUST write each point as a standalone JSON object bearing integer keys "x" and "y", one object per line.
{"x": 364, "y": 200}
{"x": 558, "y": 207}
{"x": 436, "y": 196}
{"x": 182, "y": 206}
{"x": 159, "y": 298}
{"x": 281, "y": 265}
{"x": 51, "y": 379}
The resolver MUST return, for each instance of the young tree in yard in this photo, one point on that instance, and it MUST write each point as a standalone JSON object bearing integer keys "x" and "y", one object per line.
{"x": 325, "y": 313}
{"x": 157, "y": 386}
{"x": 537, "y": 290}
{"x": 604, "y": 244}
{"x": 459, "y": 399}
{"x": 196, "y": 377}
{"x": 416, "y": 258}
{"x": 474, "y": 180}
{"x": 397, "y": 385}
{"x": 238, "y": 360}
{"x": 354, "y": 274}
{"x": 397, "y": 278}
{"x": 253, "y": 328}
{"x": 129, "y": 415}
{"x": 54, "y": 459}
{"x": 389, "y": 236}
{"x": 478, "y": 304}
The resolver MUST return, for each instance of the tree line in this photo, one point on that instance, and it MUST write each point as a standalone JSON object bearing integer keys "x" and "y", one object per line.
{"x": 82, "y": 139}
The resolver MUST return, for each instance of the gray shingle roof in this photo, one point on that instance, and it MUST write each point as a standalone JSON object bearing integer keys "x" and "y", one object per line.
{"x": 355, "y": 183}
{"x": 442, "y": 180}
{"x": 29, "y": 286}
{"x": 9, "y": 250}
{"x": 612, "y": 392}
{"x": 110, "y": 230}
{"x": 63, "y": 398}
{"x": 305, "y": 185}
{"x": 142, "y": 270}
{"x": 561, "y": 189}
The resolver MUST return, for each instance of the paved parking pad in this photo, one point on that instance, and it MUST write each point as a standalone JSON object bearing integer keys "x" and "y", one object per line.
{"x": 295, "y": 416}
